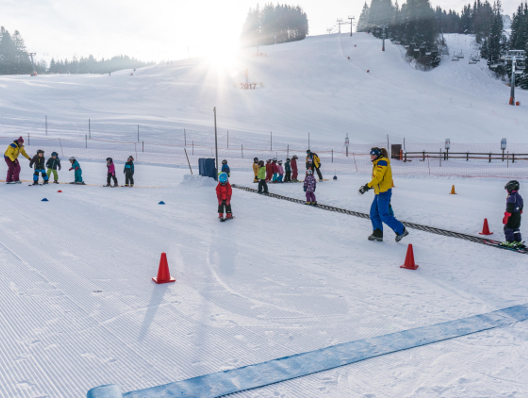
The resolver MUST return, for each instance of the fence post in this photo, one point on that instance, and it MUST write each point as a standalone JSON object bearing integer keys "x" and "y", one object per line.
{"x": 142, "y": 146}
{"x": 46, "y": 124}
{"x": 242, "y": 150}
{"x": 440, "y": 158}
{"x": 507, "y": 159}
{"x": 85, "y": 141}
{"x": 503, "y": 155}
{"x": 489, "y": 158}
{"x": 89, "y": 129}
{"x": 332, "y": 156}
{"x": 135, "y": 148}
{"x": 405, "y": 157}
{"x": 513, "y": 158}
{"x": 424, "y": 157}
{"x": 60, "y": 143}
{"x": 467, "y": 157}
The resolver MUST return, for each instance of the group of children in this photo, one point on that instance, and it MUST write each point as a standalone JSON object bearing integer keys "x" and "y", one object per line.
{"x": 274, "y": 172}
{"x": 38, "y": 162}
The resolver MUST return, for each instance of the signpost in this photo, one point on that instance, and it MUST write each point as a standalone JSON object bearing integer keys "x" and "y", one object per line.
{"x": 503, "y": 147}
{"x": 447, "y": 146}
{"x": 347, "y": 144}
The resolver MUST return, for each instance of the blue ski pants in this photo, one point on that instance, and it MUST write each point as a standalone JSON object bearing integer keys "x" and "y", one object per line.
{"x": 36, "y": 174}
{"x": 380, "y": 213}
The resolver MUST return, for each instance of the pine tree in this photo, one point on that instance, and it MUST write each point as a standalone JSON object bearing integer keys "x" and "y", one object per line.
{"x": 363, "y": 18}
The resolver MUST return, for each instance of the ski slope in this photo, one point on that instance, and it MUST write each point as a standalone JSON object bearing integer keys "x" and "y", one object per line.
{"x": 79, "y": 308}
{"x": 309, "y": 86}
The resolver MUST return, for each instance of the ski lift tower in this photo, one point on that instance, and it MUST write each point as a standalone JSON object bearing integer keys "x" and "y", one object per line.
{"x": 517, "y": 59}
{"x": 33, "y": 64}
{"x": 351, "y": 23}
{"x": 383, "y": 36}
{"x": 340, "y": 22}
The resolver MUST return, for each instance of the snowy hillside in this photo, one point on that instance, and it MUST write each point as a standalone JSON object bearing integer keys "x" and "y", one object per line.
{"x": 309, "y": 86}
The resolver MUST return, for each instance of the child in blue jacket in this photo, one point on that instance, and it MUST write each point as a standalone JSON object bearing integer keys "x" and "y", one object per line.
{"x": 129, "y": 172}
{"x": 512, "y": 216}
{"x": 78, "y": 171}
{"x": 225, "y": 168}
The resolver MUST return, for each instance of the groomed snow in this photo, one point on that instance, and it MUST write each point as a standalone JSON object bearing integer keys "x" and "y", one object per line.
{"x": 79, "y": 308}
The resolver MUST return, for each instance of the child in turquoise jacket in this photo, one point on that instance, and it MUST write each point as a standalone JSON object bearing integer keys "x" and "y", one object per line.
{"x": 78, "y": 171}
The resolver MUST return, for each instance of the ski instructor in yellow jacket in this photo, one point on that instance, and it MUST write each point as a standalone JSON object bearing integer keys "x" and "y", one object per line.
{"x": 381, "y": 211}
{"x": 11, "y": 158}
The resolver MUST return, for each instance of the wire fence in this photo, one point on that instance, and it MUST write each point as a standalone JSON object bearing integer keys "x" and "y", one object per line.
{"x": 332, "y": 161}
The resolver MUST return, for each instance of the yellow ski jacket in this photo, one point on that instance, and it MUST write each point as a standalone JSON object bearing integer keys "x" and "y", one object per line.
{"x": 381, "y": 175}
{"x": 14, "y": 149}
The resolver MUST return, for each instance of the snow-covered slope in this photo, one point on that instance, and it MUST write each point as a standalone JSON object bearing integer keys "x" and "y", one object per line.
{"x": 309, "y": 86}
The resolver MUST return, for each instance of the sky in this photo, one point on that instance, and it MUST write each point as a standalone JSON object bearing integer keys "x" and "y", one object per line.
{"x": 156, "y": 30}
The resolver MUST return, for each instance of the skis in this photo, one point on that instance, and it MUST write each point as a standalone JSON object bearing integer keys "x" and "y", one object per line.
{"x": 77, "y": 183}
{"x": 34, "y": 185}
{"x": 111, "y": 186}
{"x": 520, "y": 249}
{"x": 223, "y": 219}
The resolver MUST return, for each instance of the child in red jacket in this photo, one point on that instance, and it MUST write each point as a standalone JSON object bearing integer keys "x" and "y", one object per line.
{"x": 223, "y": 193}
{"x": 269, "y": 170}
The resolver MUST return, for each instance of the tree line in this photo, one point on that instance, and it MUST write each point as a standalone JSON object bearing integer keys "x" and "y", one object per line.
{"x": 15, "y": 59}
{"x": 274, "y": 24}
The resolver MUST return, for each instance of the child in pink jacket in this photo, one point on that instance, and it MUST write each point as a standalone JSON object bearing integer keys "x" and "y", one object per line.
{"x": 111, "y": 173}
{"x": 281, "y": 172}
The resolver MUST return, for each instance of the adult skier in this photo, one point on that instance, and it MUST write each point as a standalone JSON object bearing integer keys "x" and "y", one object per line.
{"x": 313, "y": 163}
{"x": 11, "y": 158}
{"x": 255, "y": 169}
{"x": 380, "y": 211}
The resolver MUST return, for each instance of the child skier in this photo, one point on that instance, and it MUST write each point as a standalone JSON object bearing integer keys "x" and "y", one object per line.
{"x": 262, "y": 187}
{"x": 269, "y": 170}
{"x": 111, "y": 173}
{"x": 129, "y": 172}
{"x": 223, "y": 193}
{"x": 281, "y": 172}
{"x": 256, "y": 169}
{"x": 225, "y": 168}
{"x": 309, "y": 188}
{"x": 287, "y": 168}
{"x": 52, "y": 164}
{"x": 294, "y": 168}
{"x": 275, "y": 170}
{"x": 78, "y": 172}
{"x": 39, "y": 161}
{"x": 512, "y": 215}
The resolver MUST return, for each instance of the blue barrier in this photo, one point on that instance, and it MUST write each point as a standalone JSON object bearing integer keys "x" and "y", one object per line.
{"x": 259, "y": 375}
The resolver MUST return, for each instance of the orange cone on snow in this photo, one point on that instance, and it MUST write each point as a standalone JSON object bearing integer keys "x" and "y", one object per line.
{"x": 485, "y": 228}
{"x": 163, "y": 271}
{"x": 453, "y": 190}
{"x": 409, "y": 259}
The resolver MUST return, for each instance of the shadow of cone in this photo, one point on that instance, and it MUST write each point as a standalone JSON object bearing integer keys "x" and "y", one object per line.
{"x": 452, "y": 190}
{"x": 163, "y": 271}
{"x": 409, "y": 259}
{"x": 485, "y": 228}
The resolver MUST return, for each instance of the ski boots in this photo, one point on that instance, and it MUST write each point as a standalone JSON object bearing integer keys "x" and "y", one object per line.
{"x": 403, "y": 235}
{"x": 377, "y": 235}
{"x": 116, "y": 185}
{"x": 35, "y": 183}
{"x": 108, "y": 185}
{"x": 45, "y": 183}
{"x": 220, "y": 215}
{"x": 308, "y": 203}
{"x": 229, "y": 215}
{"x": 126, "y": 185}
{"x": 314, "y": 203}
{"x": 18, "y": 182}
{"x": 55, "y": 182}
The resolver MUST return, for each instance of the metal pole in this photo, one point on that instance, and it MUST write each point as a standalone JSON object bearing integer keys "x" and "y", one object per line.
{"x": 271, "y": 140}
{"x": 512, "y": 83}
{"x": 46, "y": 124}
{"x": 332, "y": 156}
{"x": 89, "y": 129}
{"x": 138, "y": 132}
{"x": 85, "y": 141}
{"x": 184, "y": 138}
{"x": 189, "y": 163}
{"x": 388, "y": 146}
{"x": 193, "y": 147}
{"x": 227, "y": 139}
{"x": 308, "y": 140}
{"x": 383, "y": 34}
{"x": 142, "y": 146}
{"x": 216, "y": 143}
{"x": 242, "y": 150}
{"x": 29, "y": 142}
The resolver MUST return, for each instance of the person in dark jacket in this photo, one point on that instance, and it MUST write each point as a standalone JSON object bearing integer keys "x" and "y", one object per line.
{"x": 39, "y": 161}
{"x": 287, "y": 170}
{"x": 512, "y": 216}
{"x": 129, "y": 172}
{"x": 262, "y": 186}
{"x": 53, "y": 164}
{"x": 225, "y": 168}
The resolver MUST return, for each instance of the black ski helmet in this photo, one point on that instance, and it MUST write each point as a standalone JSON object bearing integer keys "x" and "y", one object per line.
{"x": 224, "y": 161}
{"x": 261, "y": 162}
{"x": 109, "y": 160}
{"x": 130, "y": 158}
{"x": 54, "y": 154}
{"x": 40, "y": 151}
{"x": 255, "y": 160}
{"x": 512, "y": 185}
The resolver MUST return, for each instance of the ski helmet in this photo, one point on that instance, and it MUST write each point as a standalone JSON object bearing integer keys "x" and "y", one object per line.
{"x": 130, "y": 159}
{"x": 280, "y": 161}
{"x": 54, "y": 154}
{"x": 109, "y": 160}
{"x": 72, "y": 158}
{"x": 295, "y": 157}
{"x": 375, "y": 152}
{"x": 308, "y": 172}
{"x": 512, "y": 185}
{"x": 255, "y": 160}
{"x": 288, "y": 159}
{"x": 222, "y": 178}
{"x": 224, "y": 161}
{"x": 269, "y": 160}
{"x": 274, "y": 159}
{"x": 308, "y": 152}
{"x": 261, "y": 162}
{"x": 40, "y": 151}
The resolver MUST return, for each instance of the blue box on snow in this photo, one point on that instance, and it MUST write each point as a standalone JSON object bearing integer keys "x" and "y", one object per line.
{"x": 207, "y": 167}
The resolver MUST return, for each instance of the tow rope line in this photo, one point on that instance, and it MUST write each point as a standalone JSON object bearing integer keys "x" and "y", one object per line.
{"x": 420, "y": 227}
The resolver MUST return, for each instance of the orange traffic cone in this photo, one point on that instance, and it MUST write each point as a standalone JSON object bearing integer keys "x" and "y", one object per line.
{"x": 409, "y": 259}
{"x": 453, "y": 190}
{"x": 163, "y": 271}
{"x": 485, "y": 228}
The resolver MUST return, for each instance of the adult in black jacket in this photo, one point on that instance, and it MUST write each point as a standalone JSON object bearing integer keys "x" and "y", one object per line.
{"x": 53, "y": 164}
{"x": 40, "y": 167}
